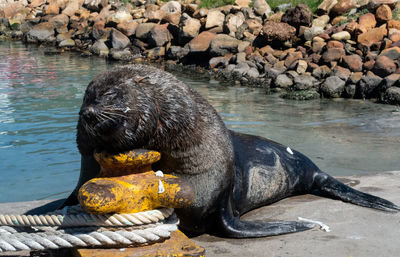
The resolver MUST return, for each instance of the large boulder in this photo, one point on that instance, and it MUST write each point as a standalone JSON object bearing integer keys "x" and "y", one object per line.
{"x": 353, "y": 62}
{"x": 261, "y": 7}
{"x": 343, "y": 6}
{"x": 215, "y": 18}
{"x": 188, "y": 28}
{"x": 333, "y": 54}
{"x": 368, "y": 85}
{"x": 304, "y": 82}
{"x": 383, "y": 13}
{"x": 119, "y": 40}
{"x": 333, "y": 86}
{"x": 42, "y": 32}
{"x": 301, "y": 15}
{"x": 159, "y": 35}
{"x": 373, "y": 36}
{"x": 384, "y": 66}
{"x": 278, "y": 31}
{"x": 367, "y": 21}
{"x": 201, "y": 43}
{"x": 223, "y": 44}
{"x": 144, "y": 29}
{"x": 392, "y": 96}
{"x": 233, "y": 22}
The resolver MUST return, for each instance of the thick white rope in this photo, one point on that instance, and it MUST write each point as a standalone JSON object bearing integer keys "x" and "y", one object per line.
{"x": 12, "y": 240}
{"x": 78, "y": 218}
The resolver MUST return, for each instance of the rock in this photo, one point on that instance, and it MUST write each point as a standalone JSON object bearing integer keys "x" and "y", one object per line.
{"x": 159, "y": 35}
{"x": 394, "y": 34}
{"x": 42, "y": 32}
{"x": 318, "y": 46}
{"x": 155, "y": 16}
{"x": 143, "y": 30}
{"x": 335, "y": 44}
{"x": 243, "y": 3}
{"x": 223, "y": 44}
{"x": 93, "y": 5}
{"x": 99, "y": 48}
{"x": 333, "y": 54}
{"x": 261, "y": 7}
{"x": 373, "y": 36}
{"x": 368, "y": 85}
{"x": 67, "y": 43}
{"x": 304, "y": 82}
{"x": 326, "y": 6}
{"x": 188, "y": 28}
{"x": 332, "y": 87}
{"x": 72, "y": 7}
{"x": 310, "y": 33}
{"x": 233, "y": 22}
{"x": 394, "y": 24}
{"x": 343, "y": 6}
{"x": 368, "y": 65}
{"x": 392, "y": 96}
{"x": 384, "y": 66}
{"x": 355, "y": 77}
{"x": 367, "y": 21}
{"x": 341, "y": 72}
{"x": 283, "y": 81}
{"x": 121, "y": 54}
{"x": 383, "y": 13}
{"x": 244, "y": 47}
{"x": 177, "y": 52}
{"x": 59, "y": 21}
{"x": 393, "y": 53}
{"x": 53, "y": 8}
{"x": 321, "y": 72}
{"x": 341, "y": 36}
{"x": 350, "y": 90}
{"x": 254, "y": 26}
{"x": 390, "y": 81}
{"x": 252, "y": 73}
{"x": 37, "y": 3}
{"x": 120, "y": 16}
{"x": 301, "y": 67}
{"x": 155, "y": 53}
{"x": 291, "y": 57}
{"x": 202, "y": 42}
{"x": 278, "y": 31}
{"x": 321, "y": 21}
{"x": 353, "y": 62}
{"x": 215, "y": 18}
{"x": 171, "y": 7}
{"x": 119, "y": 40}
{"x": 99, "y": 31}
{"x": 128, "y": 27}
{"x": 300, "y": 15}
{"x": 373, "y": 4}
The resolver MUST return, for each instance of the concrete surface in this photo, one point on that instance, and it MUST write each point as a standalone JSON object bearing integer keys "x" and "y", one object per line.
{"x": 355, "y": 231}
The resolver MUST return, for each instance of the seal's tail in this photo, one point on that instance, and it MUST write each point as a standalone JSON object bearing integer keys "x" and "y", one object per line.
{"x": 336, "y": 189}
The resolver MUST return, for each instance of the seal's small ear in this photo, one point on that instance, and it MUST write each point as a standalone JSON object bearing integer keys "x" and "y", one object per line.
{"x": 139, "y": 79}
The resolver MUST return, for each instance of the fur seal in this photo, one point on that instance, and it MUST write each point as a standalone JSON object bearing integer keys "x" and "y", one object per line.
{"x": 138, "y": 106}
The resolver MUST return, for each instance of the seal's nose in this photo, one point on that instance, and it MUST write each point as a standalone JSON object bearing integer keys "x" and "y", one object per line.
{"x": 88, "y": 112}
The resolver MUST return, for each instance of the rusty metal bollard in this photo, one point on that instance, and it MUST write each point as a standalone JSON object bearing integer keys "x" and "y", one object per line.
{"x": 128, "y": 184}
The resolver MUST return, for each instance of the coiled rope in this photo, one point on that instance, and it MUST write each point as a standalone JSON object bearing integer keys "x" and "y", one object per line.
{"x": 130, "y": 230}
{"x": 80, "y": 219}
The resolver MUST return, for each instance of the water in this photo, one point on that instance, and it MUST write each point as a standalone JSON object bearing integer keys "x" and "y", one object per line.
{"x": 40, "y": 96}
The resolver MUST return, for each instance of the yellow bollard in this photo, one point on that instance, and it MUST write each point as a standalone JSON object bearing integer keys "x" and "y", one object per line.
{"x": 128, "y": 184}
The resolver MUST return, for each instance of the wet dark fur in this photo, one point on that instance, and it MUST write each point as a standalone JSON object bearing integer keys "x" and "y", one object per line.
{"x": 139, "y": 106}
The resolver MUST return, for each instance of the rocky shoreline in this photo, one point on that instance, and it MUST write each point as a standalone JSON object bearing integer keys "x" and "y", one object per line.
{"x": 347, "y": 48}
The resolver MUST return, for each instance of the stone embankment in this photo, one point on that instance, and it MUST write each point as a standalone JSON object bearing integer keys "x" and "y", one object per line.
{"x": 349, "y": 48}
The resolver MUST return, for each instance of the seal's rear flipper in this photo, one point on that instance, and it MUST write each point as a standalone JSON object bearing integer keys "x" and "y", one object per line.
{"x": 232, "y": 226}
{"x": 336, "y": 189}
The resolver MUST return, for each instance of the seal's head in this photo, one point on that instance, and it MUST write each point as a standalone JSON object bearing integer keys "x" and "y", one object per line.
{"x": 135, "y": 106}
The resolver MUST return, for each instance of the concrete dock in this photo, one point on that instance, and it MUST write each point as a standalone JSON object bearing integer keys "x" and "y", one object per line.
{"x": 355, "y": 231}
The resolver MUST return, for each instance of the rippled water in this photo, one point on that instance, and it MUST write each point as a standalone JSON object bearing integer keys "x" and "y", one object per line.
{"x": 40, "y": 96}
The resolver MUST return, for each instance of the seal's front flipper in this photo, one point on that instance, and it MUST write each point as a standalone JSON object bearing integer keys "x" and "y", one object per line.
{"x": 232, "y": 226}
{"x": 336, "y": 189}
